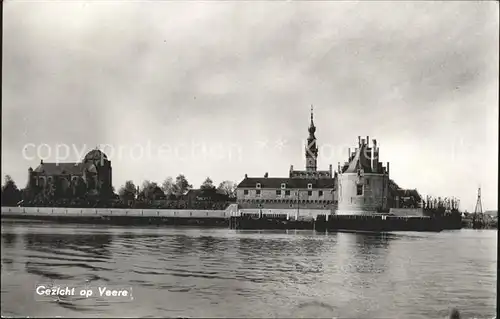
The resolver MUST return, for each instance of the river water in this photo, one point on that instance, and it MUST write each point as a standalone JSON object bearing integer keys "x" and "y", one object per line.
{"x": 196, "y": 272}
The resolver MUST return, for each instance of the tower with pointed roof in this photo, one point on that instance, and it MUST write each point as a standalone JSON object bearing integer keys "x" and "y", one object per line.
{"x": 311, "y": 147}
{"x": 311, "y": 155}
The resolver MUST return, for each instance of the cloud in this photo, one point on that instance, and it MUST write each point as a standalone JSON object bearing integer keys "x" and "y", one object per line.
{"x": 420, "y": 74}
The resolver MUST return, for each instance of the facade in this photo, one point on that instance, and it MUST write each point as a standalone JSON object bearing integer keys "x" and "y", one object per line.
{"x": 94, "y": 173}
{"x": 363, "y": 183}
{"x": 302, "y": 189}
{"x": 361, "y": 186}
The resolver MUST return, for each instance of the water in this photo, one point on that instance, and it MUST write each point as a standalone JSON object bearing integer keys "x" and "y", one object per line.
{"x": 189, "y": 272}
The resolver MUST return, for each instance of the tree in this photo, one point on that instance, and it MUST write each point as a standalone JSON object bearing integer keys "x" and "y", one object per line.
{"x": 169, "y": 187}
{"x": 10, "y": 192}
{"x": 208, "y": 184}
{"x": 227, "y": 188}
{"x": 148, "y": 190}
{"x": 182, "y": 184}
{"x": 127, "y": 191}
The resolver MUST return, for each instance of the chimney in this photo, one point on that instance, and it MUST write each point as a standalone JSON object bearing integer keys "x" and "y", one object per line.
{"x": 375, "y": 143}
{"x": 349, "y": 153}
{"x": 371, "y": 159}
{"x": 338, "y": 167}
{"x": 291, "y": 168}
{"x": 41, "y": 162}
{"x": 331, "y": 169}
{"x": 387, "y": 168}
{"x": 246, "y": 175}
{"x": 359, "y": 141}
{"x": 266, "y": 175}
{"x": 367, "y": 140}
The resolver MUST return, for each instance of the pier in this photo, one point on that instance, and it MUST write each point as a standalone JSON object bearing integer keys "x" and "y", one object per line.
{"x": 231, "y": 218}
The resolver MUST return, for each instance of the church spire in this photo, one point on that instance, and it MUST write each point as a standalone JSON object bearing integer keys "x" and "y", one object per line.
{"x": 312, "y": 128}
{"x": 311, "y": 146}
{"x": 312, "y": 113}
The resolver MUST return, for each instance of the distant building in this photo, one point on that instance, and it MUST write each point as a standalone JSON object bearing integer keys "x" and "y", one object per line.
{"x": 94, "y": 171}
{"x": 309, "y": 188}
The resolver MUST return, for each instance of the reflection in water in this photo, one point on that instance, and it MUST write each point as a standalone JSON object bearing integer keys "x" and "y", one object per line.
{"x": 223, "y": 273}
{"x": 372, "y": 250}
{"x": 9, "y": 240}
{"x": 94, "y": 244}
{"x": 67, "y": 252}
{"x": 372, "y": 241}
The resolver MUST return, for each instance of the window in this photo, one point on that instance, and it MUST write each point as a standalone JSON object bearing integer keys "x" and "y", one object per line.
{"x": 309, "y": 186}
{"x": 283, "y": 186}
{"x": 278, "y": 192}
{"x": 257, "y": 192}
{"x": 320, "y": 193}
{"x": 245, "y": 192}
{"x": 359, "y": 189}
{"x": 258, "y": 185}
{"x": 309, "y": 193}
{"x": 287, "y": 193}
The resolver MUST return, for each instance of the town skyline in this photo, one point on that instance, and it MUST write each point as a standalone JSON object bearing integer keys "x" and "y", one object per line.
{"x": 220, "y": 78}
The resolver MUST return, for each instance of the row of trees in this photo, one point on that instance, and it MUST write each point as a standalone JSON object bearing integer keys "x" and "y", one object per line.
{"x": 172, "y": 189}
{"x": 78, "y": 194}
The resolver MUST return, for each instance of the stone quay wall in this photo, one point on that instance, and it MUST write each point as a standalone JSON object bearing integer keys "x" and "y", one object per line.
{"x": 106, "y": 212}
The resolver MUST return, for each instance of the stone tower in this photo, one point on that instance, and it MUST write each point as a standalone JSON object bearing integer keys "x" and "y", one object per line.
{"x": 311, "y": 147}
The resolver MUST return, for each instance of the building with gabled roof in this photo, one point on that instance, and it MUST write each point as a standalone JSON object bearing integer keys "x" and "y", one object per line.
{"x": 94, "y": 172}
{"x": 302, "y": 189}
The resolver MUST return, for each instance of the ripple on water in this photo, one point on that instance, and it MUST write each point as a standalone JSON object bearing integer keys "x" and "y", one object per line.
{"x": 223, "y": 273}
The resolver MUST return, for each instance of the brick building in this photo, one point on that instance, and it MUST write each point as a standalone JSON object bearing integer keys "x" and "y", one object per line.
{"x": 302, "y": 189}
{"x": 94, "y": 172}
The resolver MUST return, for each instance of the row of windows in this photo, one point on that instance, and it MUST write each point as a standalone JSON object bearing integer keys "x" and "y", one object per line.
{"x": 280, "y": 193}
{"x": 286, "y": 201}
{"x": 283, "y": 186}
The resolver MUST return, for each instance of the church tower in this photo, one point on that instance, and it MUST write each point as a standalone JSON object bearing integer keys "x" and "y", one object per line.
{"x": 311, "y": 148}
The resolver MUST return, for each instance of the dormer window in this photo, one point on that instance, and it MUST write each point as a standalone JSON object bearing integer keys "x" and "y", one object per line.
{"x": 283, "y": 185}
{"x": 257, "y": 186}
{"x": 309, "y": 186}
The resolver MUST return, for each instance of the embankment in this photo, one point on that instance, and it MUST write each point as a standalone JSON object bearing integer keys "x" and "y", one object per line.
{"x": 122, "y": 216}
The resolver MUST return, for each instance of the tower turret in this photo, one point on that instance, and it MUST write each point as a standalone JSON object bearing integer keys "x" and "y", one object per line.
{"x": 311, "y": 147}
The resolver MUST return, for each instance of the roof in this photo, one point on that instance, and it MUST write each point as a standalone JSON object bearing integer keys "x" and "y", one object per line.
{"x": 275, "y": 182}
{"x": 361, "y": 160}
{"x": 60, "y": 168}
{"x": 95, "y": 155}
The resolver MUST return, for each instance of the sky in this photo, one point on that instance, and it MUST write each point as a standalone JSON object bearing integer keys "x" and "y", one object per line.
{"x": 224, "y": 88}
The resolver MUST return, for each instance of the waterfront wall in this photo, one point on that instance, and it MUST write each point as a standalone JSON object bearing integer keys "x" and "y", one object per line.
{"x": 88, "y": 212}
{"x": 374, "y": 193}
{"x": 407, "y": 212}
